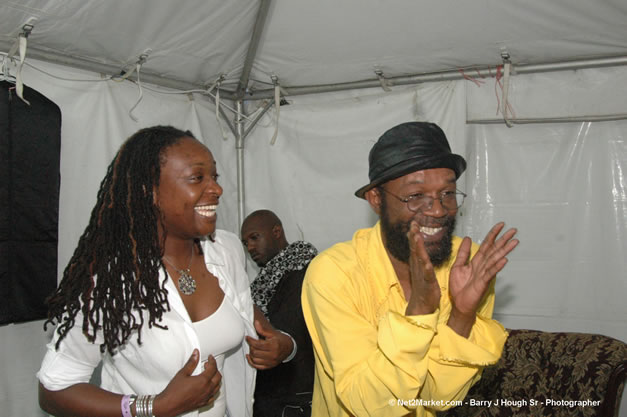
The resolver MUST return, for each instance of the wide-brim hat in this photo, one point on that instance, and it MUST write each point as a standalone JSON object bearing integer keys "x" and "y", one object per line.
{"x": 410, "y": 147}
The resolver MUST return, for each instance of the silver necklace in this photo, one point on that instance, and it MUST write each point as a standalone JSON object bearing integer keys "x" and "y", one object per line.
{"x": 187, "y": 284}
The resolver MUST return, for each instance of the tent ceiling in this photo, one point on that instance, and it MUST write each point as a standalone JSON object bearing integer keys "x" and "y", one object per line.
{"x": 308, "y": 43}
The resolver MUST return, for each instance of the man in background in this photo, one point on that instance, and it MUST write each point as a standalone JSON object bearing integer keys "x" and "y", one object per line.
{"x": 283, "y": 389}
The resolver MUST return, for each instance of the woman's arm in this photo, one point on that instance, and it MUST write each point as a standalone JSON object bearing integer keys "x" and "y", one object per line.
{"x": 80, "y": 400}
{"x": 184, "y": 393}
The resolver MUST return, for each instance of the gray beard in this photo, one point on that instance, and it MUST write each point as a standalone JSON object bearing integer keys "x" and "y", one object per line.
{"x": 397, "y": 243}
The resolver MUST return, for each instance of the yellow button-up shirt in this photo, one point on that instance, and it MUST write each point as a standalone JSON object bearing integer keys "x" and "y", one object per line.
{"x": 371, "y": 359}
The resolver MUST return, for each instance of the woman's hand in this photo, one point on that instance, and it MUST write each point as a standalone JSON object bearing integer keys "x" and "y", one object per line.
{"x": 187, "y": 392}
{"x": 271, "y": 348}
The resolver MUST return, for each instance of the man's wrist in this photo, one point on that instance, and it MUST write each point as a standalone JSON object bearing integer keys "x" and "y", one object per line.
{"x": 461, "y": 323}
{"x": 294, "y": 349}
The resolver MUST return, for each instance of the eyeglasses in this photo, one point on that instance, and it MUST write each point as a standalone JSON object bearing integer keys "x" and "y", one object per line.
{"x": 450, "y": 200}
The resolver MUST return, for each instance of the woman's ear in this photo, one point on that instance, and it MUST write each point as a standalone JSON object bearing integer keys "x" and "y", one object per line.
{"x": 373, "y": 196}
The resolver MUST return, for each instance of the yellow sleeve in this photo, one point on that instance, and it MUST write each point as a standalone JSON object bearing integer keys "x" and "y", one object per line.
{"x": 455, "y": 363}
{"x": 369, "y": 364}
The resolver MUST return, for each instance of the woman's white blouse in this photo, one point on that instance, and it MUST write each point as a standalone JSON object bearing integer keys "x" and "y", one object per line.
{"x": 148, "y": 368}
{"x": 218, "y": 334}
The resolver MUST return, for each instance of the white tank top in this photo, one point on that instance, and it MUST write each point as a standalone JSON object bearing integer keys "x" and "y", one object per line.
{"x": 219, "y": 333}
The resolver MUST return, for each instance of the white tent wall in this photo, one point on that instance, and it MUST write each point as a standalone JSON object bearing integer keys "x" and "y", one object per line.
{"x": 321, "y": 154}
{"x": 562, "y": 185}
{"x": 95, "y": 122}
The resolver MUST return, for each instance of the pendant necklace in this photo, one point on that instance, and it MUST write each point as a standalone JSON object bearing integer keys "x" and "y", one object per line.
{"x": 187, "y": 284}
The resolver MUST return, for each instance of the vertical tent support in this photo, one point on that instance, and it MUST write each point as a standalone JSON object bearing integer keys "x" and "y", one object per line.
{"x": 239, "y": 146}
{"x": 242, "y": 86}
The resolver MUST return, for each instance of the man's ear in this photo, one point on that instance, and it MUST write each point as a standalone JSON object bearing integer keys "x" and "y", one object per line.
{"x": 277, "y": 231}
{"x": 373, "y": 196}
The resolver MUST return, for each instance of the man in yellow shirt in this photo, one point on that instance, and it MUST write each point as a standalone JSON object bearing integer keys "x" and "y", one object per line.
{"x": 400, "y": 316}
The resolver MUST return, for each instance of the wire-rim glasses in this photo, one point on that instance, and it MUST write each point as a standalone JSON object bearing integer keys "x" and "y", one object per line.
{"x": 450, "y": 200}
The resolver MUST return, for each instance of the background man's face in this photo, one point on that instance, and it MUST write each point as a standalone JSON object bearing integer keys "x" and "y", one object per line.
{"x": 259, "y": 241}
{"x": 436, "y": 224}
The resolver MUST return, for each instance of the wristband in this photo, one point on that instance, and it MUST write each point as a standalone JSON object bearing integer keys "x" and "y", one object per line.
{"x": 126, "y": 403}
{"x": 291, "y": 356}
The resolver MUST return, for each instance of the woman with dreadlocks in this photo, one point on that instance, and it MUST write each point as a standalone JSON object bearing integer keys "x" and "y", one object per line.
{"x": 153, "y": 291}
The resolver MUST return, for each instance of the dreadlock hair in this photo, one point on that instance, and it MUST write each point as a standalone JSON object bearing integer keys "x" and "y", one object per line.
{"x": 115, "y": 268}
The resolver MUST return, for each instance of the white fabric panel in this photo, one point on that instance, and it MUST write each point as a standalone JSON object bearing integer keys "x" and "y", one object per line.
{"x": 563, "y": 186}
{"x": 318, "y": 42}
{"x": 587, "y": 92}
{"x": 194, "y": 41}
{"x": 321, "y": 155}
{"x": 22, "y": 347}
{"x": 309, "y": 43}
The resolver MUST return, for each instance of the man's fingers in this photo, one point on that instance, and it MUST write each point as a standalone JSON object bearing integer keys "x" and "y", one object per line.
{"x": 416, "y": 243}
{"x": 429, "y": 273}
{"x": 411, "y": 236}
{"x": 504, "y": 239}
{"x": 497, "y": 261}
{"x": 463, "y": 252}
{"x": 500, "y": 251}
{"x": 419, "y": 260}
{"x": 500, "y": 256}
{"x": 491, "y": 247}
{"x": 495, "y": 269}
{"x": 491, "y": 237}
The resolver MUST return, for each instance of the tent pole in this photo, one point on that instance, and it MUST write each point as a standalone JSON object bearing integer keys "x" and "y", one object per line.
{"x": 262, "y": 15}
{"x": 228, "y": 122}
{"x": 565, "y": 119}
{"x": 147, "y": 77}
{"x": 265, "y": 109}
{"x": 239, "y": 147}
{"x": 102, "y": 68}
{"x": 457, "y": 74}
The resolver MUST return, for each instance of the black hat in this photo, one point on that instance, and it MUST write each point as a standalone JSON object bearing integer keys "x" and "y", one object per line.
{"x": 410, "y": 147}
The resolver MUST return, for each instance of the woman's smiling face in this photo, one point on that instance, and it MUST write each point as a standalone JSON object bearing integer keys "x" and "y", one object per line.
{"x": 188, "y": 191}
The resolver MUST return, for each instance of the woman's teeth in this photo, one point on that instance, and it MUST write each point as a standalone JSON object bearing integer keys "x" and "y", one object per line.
{"x": 206, "y": 211}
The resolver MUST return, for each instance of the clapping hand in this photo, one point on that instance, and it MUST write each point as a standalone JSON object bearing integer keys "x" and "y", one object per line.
{"x": 469, "y": 280}
{"x": 425, "y": 290}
